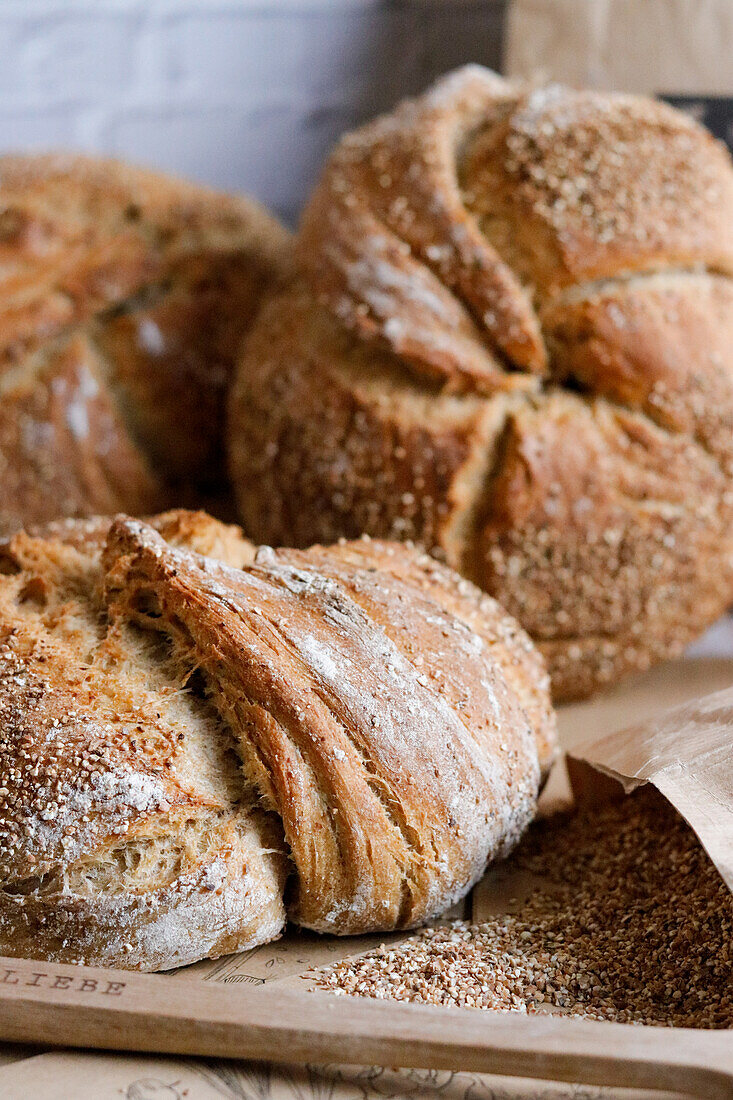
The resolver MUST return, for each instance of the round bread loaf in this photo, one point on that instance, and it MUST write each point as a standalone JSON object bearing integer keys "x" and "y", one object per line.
{"x": 195, "y": 748}
{"x": 511, "y": 340}
{"x": 125, "y": 296}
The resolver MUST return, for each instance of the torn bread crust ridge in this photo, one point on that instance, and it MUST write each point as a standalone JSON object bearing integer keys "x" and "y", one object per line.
{"x": 308, "y": 674}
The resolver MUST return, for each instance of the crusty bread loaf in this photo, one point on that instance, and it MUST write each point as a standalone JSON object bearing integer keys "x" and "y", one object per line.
{"x": 125, "y": 295}
{"x": 194, "y": 748}
{"x": 511, "y": 340}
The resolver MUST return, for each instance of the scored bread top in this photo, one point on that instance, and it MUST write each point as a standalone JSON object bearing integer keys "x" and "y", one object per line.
{"x": 445, "y": 228}
{"x": 336, "y": 715}
{"x": 124, "y": 297}
{"x": 509, "y": 340}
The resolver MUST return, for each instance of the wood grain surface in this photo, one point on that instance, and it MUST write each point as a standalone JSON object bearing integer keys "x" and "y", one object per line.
{"x": 74, "y": 1006}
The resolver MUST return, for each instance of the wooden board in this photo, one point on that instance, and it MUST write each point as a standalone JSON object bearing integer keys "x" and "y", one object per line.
{"x": 108, "y": 1009}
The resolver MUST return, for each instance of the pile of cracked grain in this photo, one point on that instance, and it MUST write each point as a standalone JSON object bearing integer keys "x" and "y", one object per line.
{"x": 634, "y": 925}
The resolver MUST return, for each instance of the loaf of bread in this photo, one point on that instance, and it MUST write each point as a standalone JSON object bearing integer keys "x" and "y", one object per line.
{"x": 197, "y": 743}
{"x": 125, "y": 296}
{"x": 511, "y": 340}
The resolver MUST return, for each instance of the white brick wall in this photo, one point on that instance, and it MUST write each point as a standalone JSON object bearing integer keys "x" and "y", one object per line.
{"x": 244, "y": 94}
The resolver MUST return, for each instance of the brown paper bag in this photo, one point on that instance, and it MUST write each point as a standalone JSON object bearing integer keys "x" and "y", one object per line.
{"x": 671, "y": 47}
{"x": 687, "y": 754}
{"x": 677, "y": 49}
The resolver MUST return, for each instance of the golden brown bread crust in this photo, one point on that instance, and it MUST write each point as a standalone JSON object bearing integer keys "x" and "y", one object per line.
{"x": 196, "y": 531}
{"x": 511, "y": 340}
{"x": 378, "y": 726}
{"x": 358, "y": 717}
{"x": 126, "y": 838}
{"x": 125, "y": 297}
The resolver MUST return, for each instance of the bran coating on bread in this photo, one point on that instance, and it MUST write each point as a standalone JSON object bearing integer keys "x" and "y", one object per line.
{"x": 510, "y": 341}
{"x": 126, "y": 836}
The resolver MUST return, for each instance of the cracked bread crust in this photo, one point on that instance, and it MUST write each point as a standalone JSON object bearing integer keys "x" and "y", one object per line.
{"x": 126, "y": 836}
{"x": 125, "y": 298}
{"x": 510, "y": 341}
{"x": 193, "y": 748}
